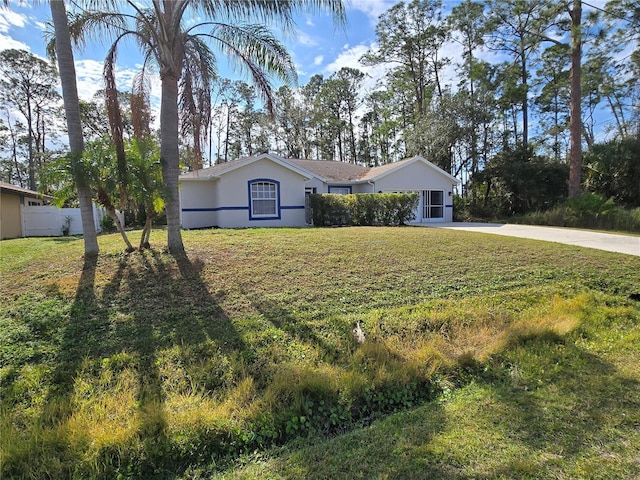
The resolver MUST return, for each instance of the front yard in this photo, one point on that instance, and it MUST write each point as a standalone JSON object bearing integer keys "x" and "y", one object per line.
{"x": 484, "y": 357}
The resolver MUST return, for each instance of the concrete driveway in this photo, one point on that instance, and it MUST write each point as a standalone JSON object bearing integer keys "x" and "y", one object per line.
{"x": 583, "y": 238}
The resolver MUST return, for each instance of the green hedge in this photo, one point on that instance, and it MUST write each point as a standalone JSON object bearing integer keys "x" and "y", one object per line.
{"x": 363, "y": 209}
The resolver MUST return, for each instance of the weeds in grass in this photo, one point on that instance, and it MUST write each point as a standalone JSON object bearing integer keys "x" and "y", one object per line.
{"x": 153, "y": 364}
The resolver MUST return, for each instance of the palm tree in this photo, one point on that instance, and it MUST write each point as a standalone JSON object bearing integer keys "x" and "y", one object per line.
{"x": 187, "y": 65}
{"x": 145, "y": 184}
{"x": 66, "y": 69}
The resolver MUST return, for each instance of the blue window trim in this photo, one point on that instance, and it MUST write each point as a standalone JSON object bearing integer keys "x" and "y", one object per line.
{"x": 278, "y": 215}
{"x": 340, "y": 186}
{"x": 221, "y": 209}
{"x": 213, "y": 209}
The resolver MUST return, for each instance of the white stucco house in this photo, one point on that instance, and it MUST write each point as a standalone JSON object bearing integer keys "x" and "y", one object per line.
{"x": 270, "y": 191}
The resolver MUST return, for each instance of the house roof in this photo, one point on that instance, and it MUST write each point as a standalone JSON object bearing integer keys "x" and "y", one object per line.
{"x": 332, "y": 170}
{"x": 325, "y": 170}
{"x": 217, "y": 171}
{"x": 348, "y": 172}
{"x": 14, "y": 189}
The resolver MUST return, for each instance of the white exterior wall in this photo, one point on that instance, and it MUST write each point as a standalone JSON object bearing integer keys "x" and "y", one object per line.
{"x": 317, "y": 184}
{"x": 418, "y": 177}
{"x": 225, "y": 202}
{"x": 363, "y": 188}
{"x": 198, "y": 203}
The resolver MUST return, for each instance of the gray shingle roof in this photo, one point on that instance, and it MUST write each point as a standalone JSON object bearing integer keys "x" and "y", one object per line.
{"x": 212, "y": 171}
{"x": 325, "y": 169}
{"x": 332, "y": 170}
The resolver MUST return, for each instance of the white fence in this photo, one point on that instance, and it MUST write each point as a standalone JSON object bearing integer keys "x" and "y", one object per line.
{"x": 52, "y": 221}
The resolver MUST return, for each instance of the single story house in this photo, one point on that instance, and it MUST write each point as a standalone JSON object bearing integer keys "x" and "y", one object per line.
{"x": 270, "y": 191}
{"x": 11, "y": 198}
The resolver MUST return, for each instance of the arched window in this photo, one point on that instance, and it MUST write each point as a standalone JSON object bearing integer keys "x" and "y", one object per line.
{"x": 264, "y": 197}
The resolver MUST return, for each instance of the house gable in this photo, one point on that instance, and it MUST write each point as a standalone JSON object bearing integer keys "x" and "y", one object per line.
{"x": 378, "y": 173}
{"x": 416, "y": 175}
{"x": 264, "y": 190}
{"x": 222, "y": 169}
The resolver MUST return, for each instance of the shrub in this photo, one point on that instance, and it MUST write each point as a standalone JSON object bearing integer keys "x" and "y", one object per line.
{"x": 590, "y": 205}
{"x": 363, "y": 209}
{"x": 586, "y": 211}
{"x": 107, "y": 224}
{"x": 612, "y": 169}
{"x": 517, "y": 182}
{"x": 330, "y": 210}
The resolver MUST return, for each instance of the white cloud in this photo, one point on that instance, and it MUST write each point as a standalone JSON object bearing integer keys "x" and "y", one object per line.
{"x": 372, "y": 8}
{"x": 350, "y": 57}
{"x": 7, "y": 43}
{"x": 449, "y": 76}
{"x": 90, "y": 79}
{"x": 309, "y": 22}
{"x": 318, "y": 60}
{"x": 9, "y": 18}
{"x": 305, "y": 39}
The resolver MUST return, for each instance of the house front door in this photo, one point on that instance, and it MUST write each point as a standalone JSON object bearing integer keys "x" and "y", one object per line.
{"x": 308, "y": 213}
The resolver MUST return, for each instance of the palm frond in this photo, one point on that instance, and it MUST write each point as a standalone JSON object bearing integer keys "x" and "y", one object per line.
{"x": 254, "y": 50}
{"x": 141, "y": 105}
{"x": 88, "y": 25}
{"x": 198, "y": 74}
{"x": 114, "y": 115}
{"x": 270, "y": 12}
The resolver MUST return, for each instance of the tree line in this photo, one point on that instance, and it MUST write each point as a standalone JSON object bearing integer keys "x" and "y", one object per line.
{"x": 511, "y": 92}
{"x": 532, "y": 83}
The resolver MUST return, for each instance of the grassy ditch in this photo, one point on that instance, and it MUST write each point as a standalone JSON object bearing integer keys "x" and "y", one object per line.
{"x": 146, "y": 365}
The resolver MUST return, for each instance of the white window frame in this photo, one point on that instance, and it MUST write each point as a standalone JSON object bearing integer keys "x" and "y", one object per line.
{"x": 340, "y": 189}
{"x": 263, "y": 190}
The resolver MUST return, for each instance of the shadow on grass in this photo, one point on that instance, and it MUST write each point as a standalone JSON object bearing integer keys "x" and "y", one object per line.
{"x": 152, "y": 302}
{"x": 67, "y": 239}
{"x": 570, "y": 406}
{"x": 86, "y": 320}
{"x": 543, "y": 408}
{"x": 280, "y": 316}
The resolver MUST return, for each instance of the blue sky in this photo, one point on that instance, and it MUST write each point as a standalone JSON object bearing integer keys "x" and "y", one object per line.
{"x": 318, "y": 48}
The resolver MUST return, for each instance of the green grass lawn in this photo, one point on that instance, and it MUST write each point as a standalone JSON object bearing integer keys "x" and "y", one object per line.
{"x": 484, "y": 357}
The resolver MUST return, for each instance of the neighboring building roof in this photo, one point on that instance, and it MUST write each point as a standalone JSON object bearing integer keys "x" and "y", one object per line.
{"x": 325, "y": 170}
{"x": 7, "y": 187}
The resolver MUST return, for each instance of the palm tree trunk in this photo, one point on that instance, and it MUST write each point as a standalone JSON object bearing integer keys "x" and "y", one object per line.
{"x": 114, "y": 216}
{"x": 67, "y": 71}
{"x": 575, "y": 121}
{"x": 169, "y": 159}
{"x": 146, "y": 231}
{"x": 105, "y": 200}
